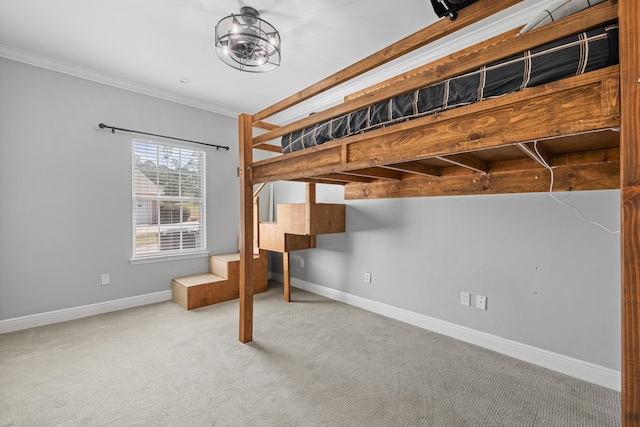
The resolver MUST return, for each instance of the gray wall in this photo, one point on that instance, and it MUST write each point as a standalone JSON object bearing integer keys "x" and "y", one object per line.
{"x": 66, "y": 189}
{"x": 552, "y": 280}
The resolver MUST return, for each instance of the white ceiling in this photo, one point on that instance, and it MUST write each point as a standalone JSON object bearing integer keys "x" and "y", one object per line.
{"x": 149, "y": 45}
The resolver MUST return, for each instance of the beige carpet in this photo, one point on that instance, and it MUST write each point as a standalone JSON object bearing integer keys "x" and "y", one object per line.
{"x": 314, "y": 362}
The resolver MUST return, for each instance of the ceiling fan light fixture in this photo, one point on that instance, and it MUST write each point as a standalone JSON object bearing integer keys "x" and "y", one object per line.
{"x": 247, "y": 42}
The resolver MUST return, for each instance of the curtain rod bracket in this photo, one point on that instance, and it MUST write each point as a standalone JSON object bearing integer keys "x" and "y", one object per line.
{"x": 113, "y": 130}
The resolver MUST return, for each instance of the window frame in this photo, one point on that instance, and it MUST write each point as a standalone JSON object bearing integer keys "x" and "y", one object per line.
{"x": 156, "y": 200}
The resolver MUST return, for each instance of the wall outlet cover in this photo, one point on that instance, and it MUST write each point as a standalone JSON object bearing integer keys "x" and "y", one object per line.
{"x": 481, "y": 302}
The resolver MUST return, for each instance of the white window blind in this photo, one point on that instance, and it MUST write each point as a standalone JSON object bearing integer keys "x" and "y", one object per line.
{"x": 169, "y": 208}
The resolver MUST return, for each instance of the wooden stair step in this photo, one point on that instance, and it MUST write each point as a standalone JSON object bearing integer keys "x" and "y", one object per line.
{"x": 311, "y": 218}
{"x": 273, "y": 238}
{"x": 220, "y": 284}
{"x": 199, "y": 279}
{"x": 202, "y": 289}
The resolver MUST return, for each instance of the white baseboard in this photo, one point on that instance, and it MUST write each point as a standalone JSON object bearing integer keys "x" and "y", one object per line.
{"x": 586, "y": 371}
{"x": 50, "y": 317}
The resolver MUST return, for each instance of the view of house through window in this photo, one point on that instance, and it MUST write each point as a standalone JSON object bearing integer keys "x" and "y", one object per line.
{"x": 168, "y": 199}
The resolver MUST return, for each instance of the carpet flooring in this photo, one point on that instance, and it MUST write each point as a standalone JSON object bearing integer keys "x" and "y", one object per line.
{"x": 313, "y": 362}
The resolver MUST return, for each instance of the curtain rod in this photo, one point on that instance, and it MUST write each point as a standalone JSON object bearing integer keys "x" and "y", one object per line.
{"x": 114, "y": 129}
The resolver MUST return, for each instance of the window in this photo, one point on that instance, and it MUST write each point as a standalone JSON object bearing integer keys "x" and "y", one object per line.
{"x": 168, "y": 200}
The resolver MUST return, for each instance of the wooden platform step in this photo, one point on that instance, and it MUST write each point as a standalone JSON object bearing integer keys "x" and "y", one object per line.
{"x": 311, "y": 218}
{"x": 274, "y": 238}
{"x": 220, "y": 284}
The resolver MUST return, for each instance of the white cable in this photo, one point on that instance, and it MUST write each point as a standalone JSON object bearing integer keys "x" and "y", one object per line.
{"x": 535, "y": 147}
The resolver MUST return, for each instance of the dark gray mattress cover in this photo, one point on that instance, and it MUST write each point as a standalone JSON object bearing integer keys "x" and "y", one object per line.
{"x": 574, "y": 55}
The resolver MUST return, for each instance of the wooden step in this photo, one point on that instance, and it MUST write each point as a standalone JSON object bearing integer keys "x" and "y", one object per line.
{"x": 202, "y": 289}
{"x": 273, "y": 238}
{"x": 224, "y": 265}
{"x": 228, "y": 265}
{"x": 311, "y": 218}
{"x": 220, "y": 284}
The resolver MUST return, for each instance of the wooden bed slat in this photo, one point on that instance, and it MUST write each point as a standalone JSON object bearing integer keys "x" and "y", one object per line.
{"x": 345, "y": 177}
{"x": 414, "y": 168}
{"x": 466, "y": 160}
{"x": 378, "y": 173}
{"x": 320, "y": 180}
{"x": 439, "y": 29}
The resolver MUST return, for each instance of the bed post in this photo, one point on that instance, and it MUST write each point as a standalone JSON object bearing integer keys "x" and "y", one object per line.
{"x": 629, "y": 19}
{"x": 245, "y": 134}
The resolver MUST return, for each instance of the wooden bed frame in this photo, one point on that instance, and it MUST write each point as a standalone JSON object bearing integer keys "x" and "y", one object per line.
{"x": 586, "y": 127}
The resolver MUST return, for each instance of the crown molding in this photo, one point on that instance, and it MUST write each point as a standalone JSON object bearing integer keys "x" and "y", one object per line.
{"x": 41, "y": 61}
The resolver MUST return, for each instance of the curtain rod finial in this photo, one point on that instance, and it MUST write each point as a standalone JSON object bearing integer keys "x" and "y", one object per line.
{"x": 102, "y": 126}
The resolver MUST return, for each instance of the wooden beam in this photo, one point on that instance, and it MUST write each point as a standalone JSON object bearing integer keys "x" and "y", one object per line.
{"x": 265, "y": 125}
{"x": 396, "y": 79}
{"x": 605, "y": 155}
{"x": 629, "y": 11}
{"x": 345, "y": 177}
{"x": 439, "y": 29}
{"x": 567, "y": 178}
{"x": 466, "y": 160}
{"x": 320, "y": 180}
{"x": 376, "y": 173}
{"x": 459, "y": 63}
{"x": 268, "y": 147}
{"x": 246, "y": 229}
{"x": 416, "y": 168}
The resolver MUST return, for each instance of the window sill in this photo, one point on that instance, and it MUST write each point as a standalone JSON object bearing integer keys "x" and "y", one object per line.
{"x": 168, "y": 257}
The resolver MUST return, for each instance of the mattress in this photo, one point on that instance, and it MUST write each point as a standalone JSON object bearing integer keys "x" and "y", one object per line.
{"x": 571, "y": 56}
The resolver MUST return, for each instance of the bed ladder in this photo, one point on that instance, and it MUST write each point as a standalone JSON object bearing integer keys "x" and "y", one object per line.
{"x": 221, "y": 283}
{"x": 297, "y": 227}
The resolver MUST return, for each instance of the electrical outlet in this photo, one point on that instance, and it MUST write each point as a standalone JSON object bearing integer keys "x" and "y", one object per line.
{"x": 302, "y": 262}
{"x": 367, "y": 277}
{"x": 105, "y": 279}
{"x": 465, "y": 298}
{"x": 481, "y": 302}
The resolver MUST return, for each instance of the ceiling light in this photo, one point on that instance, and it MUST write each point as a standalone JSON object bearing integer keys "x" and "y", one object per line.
{"x": 247, "y": 42}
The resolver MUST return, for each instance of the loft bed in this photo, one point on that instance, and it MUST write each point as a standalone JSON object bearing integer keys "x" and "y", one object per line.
{"x": 582, "y": 132}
